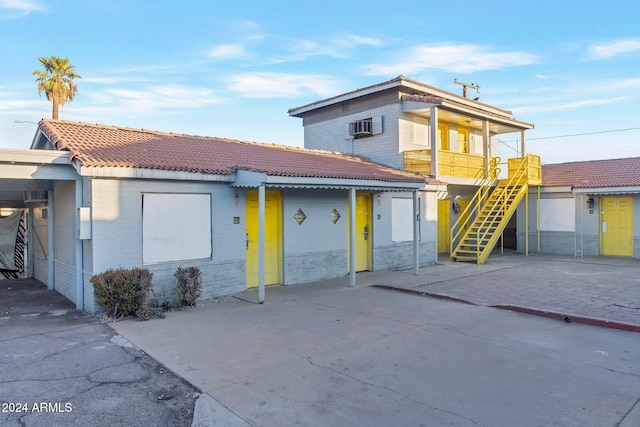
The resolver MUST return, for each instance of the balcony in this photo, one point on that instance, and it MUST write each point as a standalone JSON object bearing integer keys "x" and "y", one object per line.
{"x": 450, "y": 163}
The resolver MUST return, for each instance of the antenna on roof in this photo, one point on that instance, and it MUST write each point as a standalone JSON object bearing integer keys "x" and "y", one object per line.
{"x": 465, "y": 86}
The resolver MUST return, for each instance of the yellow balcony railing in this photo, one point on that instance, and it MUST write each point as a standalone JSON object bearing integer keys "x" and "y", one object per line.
{"x": 529, "y": 165}
{"x": 449, "y": 163}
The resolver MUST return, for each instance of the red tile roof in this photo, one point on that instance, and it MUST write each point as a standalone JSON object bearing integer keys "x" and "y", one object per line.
{"x": 95, "y": 145}
{"x": 593, "y": 174}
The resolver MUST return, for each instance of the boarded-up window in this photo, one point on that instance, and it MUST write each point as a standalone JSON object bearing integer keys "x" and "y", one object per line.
{"x": 401, "y": 220}
{"x": 175, "y": 227}
{"x": 558, "y": 214}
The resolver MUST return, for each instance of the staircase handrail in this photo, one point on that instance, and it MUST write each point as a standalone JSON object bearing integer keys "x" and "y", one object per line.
{"x": 476, "y": 202}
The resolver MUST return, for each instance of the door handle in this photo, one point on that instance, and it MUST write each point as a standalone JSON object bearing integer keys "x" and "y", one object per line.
{"x": 366, "y": 232}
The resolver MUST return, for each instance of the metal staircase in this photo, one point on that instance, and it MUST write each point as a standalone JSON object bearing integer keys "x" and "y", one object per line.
{"x": 479, "y": 227}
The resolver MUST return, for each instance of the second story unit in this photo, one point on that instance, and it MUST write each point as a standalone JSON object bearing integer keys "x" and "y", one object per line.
{"x": 396, "y": 123}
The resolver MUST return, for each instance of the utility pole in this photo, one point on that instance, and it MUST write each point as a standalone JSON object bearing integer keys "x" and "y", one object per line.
{"x": 465, "y": 86}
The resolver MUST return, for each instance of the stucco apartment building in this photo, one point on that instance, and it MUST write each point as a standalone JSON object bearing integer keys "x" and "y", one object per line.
{"x": 409, "y": 125}
{"x": 247, "y": 214}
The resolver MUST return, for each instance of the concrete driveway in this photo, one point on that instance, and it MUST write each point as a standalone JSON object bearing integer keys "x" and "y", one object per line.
{"x": 326, "y": 354}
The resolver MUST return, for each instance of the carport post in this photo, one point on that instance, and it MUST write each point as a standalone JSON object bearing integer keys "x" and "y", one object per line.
{"x": 51, "y": 271}
{"x": 416, "y": 225}
{"x": 352, "y": 237}
{"x": 261, "y": 210}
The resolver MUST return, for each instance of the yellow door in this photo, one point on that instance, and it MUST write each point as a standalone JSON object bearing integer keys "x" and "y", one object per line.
{"x": 444, "y": 218}
{"x": 463, "y": 140}
{"x": 363, "y": 232}
{"x": 616, "y": 226}
{"x": 272, "y": 238}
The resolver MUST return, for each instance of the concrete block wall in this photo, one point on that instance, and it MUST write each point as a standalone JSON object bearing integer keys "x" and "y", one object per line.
{"x": 399, "y": 256}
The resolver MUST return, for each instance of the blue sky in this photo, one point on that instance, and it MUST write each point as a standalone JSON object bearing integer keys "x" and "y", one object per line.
{"x": 233, "y": 69}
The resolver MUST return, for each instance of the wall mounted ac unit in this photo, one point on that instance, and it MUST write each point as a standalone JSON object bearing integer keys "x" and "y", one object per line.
{"x": 361, "y": 128}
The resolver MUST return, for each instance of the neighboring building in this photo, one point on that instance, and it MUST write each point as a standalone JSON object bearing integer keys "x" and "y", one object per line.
{"x": 586, "y": 208}
{"x": 401, "y": 121}
{"x": 246, "y": 214}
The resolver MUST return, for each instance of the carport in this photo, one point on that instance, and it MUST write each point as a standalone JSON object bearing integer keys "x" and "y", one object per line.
{"x": 29, "y": 180}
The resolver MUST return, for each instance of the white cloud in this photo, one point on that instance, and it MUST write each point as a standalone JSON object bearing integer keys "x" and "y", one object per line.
{"x": 17, "y": 8}
{"x": 455, "y": 58}
{"x": 338, "y": 46}
{"x": 228, "y": 51}
{"x": 156, "y": 98}
{"x": 551, "y": 106}
{"x": 614, "y": 48}
{"x": 280, "y": 85}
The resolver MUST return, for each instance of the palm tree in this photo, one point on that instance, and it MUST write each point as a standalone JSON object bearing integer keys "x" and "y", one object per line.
{"x": 56, "y": 81}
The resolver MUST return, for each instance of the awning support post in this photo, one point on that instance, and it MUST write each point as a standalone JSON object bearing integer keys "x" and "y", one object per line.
{"x": 352, "y": 237}
{"x": 261, "y": 213}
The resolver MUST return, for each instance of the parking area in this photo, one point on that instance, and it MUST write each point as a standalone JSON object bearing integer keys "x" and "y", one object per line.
{"x": 326, "y": 354}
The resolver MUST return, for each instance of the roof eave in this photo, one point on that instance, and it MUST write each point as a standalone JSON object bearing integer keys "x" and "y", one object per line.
{"x": 143, "y": 173}
{"x": 632, "y": 189}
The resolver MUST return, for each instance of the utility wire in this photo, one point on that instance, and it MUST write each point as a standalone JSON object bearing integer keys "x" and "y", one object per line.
{"x": 577, "y": 134}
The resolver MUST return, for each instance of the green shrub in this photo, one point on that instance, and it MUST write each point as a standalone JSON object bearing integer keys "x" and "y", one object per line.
{"x": 125, "y": 292}
{"x": 189, "y": 285}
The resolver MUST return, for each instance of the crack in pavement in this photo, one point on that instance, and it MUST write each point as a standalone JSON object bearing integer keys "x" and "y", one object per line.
{"x": 409, "y": 398}
{"x": 625, "y": 416}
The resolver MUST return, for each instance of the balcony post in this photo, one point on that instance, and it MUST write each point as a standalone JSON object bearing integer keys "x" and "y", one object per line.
{"x": 485, "y": 148}
{"x": 522, "y": 152}
{"x": 434, "y": 141}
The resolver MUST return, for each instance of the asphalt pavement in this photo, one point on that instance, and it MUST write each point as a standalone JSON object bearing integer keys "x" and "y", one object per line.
{"x": 63, "y": 367}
